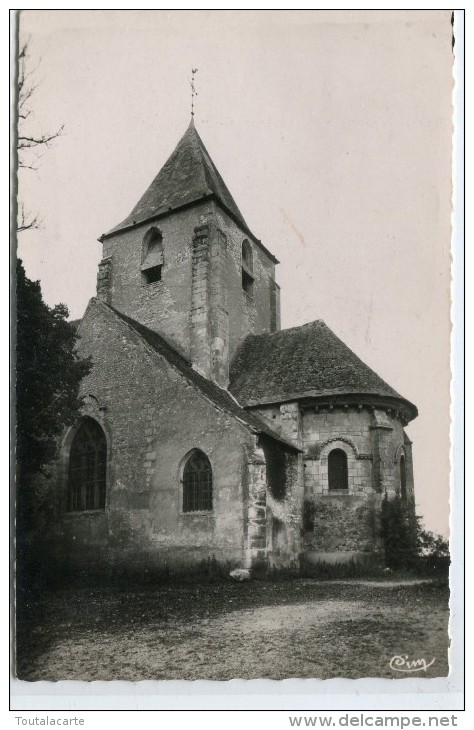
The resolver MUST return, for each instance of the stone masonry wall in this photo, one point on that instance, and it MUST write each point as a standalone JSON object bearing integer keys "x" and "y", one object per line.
{"x": 152, "y": 419}
{"x": 200, "y": 334}
{"x": 248, "y": 314}
{"x": 344, "y": 524}
{"x": 348, "y": 522}
{"x": 201, "y": 283}
{"x": 284, "y": 485}
{"x": 219, "y": 309}
{"x": 163, "y": 306}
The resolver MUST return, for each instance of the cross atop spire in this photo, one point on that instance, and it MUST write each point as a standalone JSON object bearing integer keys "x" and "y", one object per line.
{"x": 193, "y": 90}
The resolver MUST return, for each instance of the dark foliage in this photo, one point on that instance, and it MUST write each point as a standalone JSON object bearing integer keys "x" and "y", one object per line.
{"x": 309, "y": 511}
{"x": 48, "y": 375}
{"x": 408, "y": 546}
{"x": 370, "y": 568}
{"x": 433, "y": 554}
{"x": 432, "y": 545}
{"x": 399, "y": 528}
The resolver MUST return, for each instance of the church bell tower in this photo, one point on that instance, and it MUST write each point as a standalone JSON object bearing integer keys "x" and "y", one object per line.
{"x": 185, "y": 264}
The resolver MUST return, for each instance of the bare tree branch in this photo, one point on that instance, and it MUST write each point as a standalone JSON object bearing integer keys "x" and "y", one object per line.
{"x": 27, "y": 221}
{"x": 29, "y": 143}
{"x": 24, "y": 166}
{"x": 46, "y": 139}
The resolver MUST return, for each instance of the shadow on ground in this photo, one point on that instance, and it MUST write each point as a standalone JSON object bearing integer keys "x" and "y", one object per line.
{"x": 224, "y": 630}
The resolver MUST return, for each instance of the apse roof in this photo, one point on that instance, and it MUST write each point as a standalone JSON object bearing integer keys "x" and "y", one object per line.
{"x": 306, "y": 361}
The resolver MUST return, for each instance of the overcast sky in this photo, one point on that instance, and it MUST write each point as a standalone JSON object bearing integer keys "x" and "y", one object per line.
{"x": 333, "y": 133}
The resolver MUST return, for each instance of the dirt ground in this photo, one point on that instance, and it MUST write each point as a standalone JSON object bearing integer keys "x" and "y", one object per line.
{"x": 295, "y": 628}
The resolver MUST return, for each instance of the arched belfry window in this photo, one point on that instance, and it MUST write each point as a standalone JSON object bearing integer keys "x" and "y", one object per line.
{"x": 337, "y": 469}
{"x": 197, "y": 483}
{"x": 403, "y": 477}
{"x": 87, "y": 468}
{"x": 247, "y": 268}
{"x": 152, "y": 265}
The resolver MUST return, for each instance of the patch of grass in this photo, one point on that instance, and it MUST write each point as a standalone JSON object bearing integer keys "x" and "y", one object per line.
{"x": 208, "y": 570}
{"x": 369, "y": 569}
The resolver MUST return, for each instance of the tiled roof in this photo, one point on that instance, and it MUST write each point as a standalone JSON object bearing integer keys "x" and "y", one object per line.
{"x": 219, "y": 396}
{"x": 188, "y": 176}
{"x": 300, "y": 362}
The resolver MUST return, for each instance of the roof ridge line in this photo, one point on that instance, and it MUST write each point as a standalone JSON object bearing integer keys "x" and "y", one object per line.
{"x": 202, "y": 149}
{"x": 175, "y": 367}
{"x": 125, "y": 318}
{"x": 308, "y": 360}
{"x": 287, "y": 329}
{"x": 187, "y": 364}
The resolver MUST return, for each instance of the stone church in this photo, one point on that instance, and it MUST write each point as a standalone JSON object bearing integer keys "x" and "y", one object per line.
{"x": 207, "y": 431}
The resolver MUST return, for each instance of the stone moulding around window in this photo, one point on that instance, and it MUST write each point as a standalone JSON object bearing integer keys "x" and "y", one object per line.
{"x": 93, "y": 410}
{"x": 152, "y": 257}
{"x": 314, "y": 452}
{"x": 398, "y": 452}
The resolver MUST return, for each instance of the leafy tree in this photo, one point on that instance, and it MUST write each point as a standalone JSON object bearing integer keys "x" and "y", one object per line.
{"x": 408, "y": 546}
{"x": 48, "y": 371}
{"x": 432, "y": 545}
{"x": 434, "y": 556}
{"x": 48, "y": 376}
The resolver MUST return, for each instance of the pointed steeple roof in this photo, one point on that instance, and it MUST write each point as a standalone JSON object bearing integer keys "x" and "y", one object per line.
{"x": 188, "y": 176}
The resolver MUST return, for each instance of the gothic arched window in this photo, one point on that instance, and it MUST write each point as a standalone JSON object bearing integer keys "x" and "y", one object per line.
{"x": 403, "y": 477}
{"x": 247, "y": 268}
{"x": 197, "y": 483}
{"x": 87, "y": 468}
{"x": 152, "y": 256}
{"x": 337, "y": 469}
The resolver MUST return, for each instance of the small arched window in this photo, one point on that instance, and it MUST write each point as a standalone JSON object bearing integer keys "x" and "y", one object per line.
{"x": 87, "y": 468}
{"x": 247, "y": 268}
{"x": 152, "y": 257}
{"x": 197, "y": 483}
{"x": 337, "y": 469}
{"x": 403, "y": 477}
